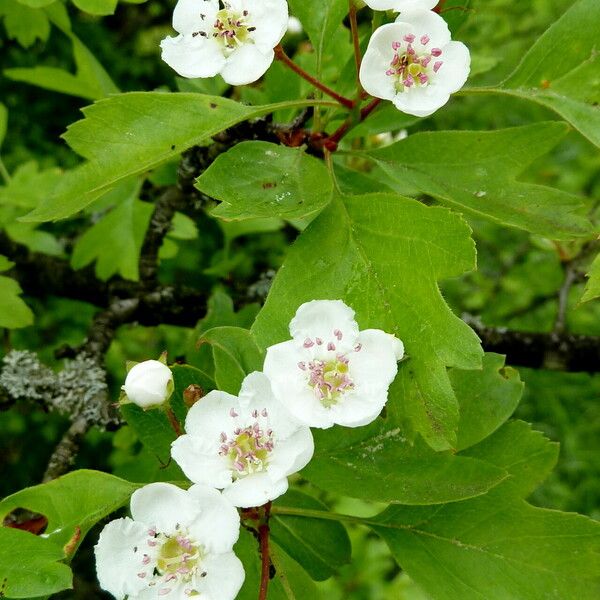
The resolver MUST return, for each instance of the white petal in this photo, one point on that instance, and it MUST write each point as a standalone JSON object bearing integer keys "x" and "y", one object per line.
{"x": 456, "y": 67}
{"x": 210, "y": 416}
{"x": 193, "y": 57}
{"x": 187, "y": 16}
{"x": 291, "y": 455}
{"x": 426, "y": 22}
{"x": 218, "y": 525}
{"x": 376, "y": 364}
{"x": 399, "y": 5}
{"x": 321, "y": 318}
{"x": 373, "y": 76}
{"x": 270, "y": 17}
{"x": 255, "y": 490}
{"x": 162, "y": 506}
{"x": 358, "y": 409}
{"x": 119, "y": 554}
{"x": 201, "y": 464}
{"x": 421, "y": 102}
{"x": 246, "y": 65}
{"x": 290, "y": 384}
{"x": 224, "y": 577}
{"x": 257, "y": 395}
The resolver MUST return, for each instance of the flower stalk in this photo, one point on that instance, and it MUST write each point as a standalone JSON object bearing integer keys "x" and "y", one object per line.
{"x": 263, "y": 535}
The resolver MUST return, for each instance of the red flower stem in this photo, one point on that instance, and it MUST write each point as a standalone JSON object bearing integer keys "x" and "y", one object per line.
{"x": 263, "y": 535}
{"x": 355, "y": 40}
{"x": 173, "y": 421}
{"x": 334, "y": 139}
{"x": 285, "y": 59}
{"x": 440, "y": 6}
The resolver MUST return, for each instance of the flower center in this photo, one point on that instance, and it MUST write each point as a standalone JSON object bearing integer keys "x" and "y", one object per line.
{"x": 329, "y": 379}
{"x": 231, "y": 28}
{"x": 249, "y": 448}
{"x": 412, "y": 68}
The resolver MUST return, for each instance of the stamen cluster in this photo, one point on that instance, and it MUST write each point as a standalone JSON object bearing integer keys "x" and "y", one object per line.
{"x": 411, "y": 68}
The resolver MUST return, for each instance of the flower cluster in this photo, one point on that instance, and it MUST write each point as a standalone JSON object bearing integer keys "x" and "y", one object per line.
{"x": 239, "y": 452}
{"x": 412, "y": 62}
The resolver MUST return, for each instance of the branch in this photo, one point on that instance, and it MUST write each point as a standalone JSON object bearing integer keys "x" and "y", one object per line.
{"x": 64, "y": 454}
{"x": 263, "y": 536}
{"x": 555, "y": 351}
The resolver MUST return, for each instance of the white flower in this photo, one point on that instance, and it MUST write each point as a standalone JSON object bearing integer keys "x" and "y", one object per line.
{"x": 330, "y": 372}
{"x": 246, "y": 446}
{"x": 401, "y": 5}
{"x": 148, "y": 383}
{"x": 236, "y": 41}
{"x": 413, "y": 63}
{"x": 177, "y": 545}
{"x": 294, "y": 26}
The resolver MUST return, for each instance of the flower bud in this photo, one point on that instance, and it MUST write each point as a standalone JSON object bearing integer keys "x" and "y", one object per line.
{"x": 149, "y": 383}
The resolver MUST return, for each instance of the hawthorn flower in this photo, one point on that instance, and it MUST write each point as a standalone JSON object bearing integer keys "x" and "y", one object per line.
{"x": 330, "y": 372}
{"x": 148, "y": 384}
{"x": 414, "y": 63}
{"x": 178, "y": 544}
{"x": 401, "y": 5}
{"x": 233, "y": 37}
{"x": 246, "y": 446}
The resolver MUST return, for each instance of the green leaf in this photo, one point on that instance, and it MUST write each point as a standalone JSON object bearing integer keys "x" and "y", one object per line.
{"x": 476, "y": 172}
{"x": 498, "y": 546}
{"x": 29, "y": 565}
{"x": 3, "y": 122}
{"x": 321, "y": 547}
{"x": 268, "y": 181}
{"x": 487, "y": 398}
{"x": 132, "y": 133}
{"x": 36, "y": 3}
{"x": 562, "y": 69}
{"x": 23, "y": 23}
{"x": 456, "y": 12}
{"x": 377, "y": 463}
{"x": 320, "y": 21}
{"x": 235, "y": 355}
{"x": 97, "y": 7}
{"x": 72, "y": 503}
{"x": 14, "y": 313}
{"x": 116, "y": 240}
{"x": 383, "y": 255}
{"x": 592, "y": 287}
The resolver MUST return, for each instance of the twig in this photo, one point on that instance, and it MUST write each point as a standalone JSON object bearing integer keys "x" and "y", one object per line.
{"x": 286, "y": 60}
{"x": 355, "y": 41}
{"x": 66, "y": 450}
{"x": 571, "y": 277}
{"x": 263, "y": 535}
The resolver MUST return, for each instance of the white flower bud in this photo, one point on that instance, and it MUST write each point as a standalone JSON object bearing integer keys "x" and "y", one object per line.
{"x": 149, "y": 383}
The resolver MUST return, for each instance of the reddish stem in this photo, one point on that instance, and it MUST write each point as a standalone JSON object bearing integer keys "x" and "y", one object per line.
{"x": 438, "y": 9}
{"x": 174, "y": 421}
{"x": 263, "y": 534}
{"x": 284, "y": 58}
{"x": 333, "y": 140}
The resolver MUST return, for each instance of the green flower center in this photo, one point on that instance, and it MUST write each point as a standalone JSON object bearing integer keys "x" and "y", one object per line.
{"x": 330, "y": 380}
{"x": 231, "y": 28}
{"x": 178, "y": 557}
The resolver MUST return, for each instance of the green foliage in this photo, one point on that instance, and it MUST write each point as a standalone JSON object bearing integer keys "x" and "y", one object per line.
{"x": 592, "y": 289}
{"x": 567, "y": 84}
{"x": 321, "y": 547}
{"x": 23, "y": 23}
{"x": 14, "y": 312}
{"x": 123, "y": 228}
{"x": 269, "y": 181}
{"x": 475, "y": 171}
{"x": 383, "y": 254}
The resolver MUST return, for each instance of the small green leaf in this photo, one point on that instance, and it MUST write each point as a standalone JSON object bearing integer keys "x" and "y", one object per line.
{"x": 487, "y": 398}
{"x": 97, "y": 7}
{"x": 23, "y": 23}
{"x": 29, "y": 565}
{"x": 383, "y": 255}
{"x": 592, "y": 287}
{"x": 321, "y": 547}
{"x": 562, "y": 69}
{"x": 377, "y": 463}
{"x": 115, "y": 241}
{"x": 14, "y": 313}
{"x": 476, "y": 172}
{"x": 235, "y": 355}
{"x": 269, "y": 181}
{"x": 3, "y": 122}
